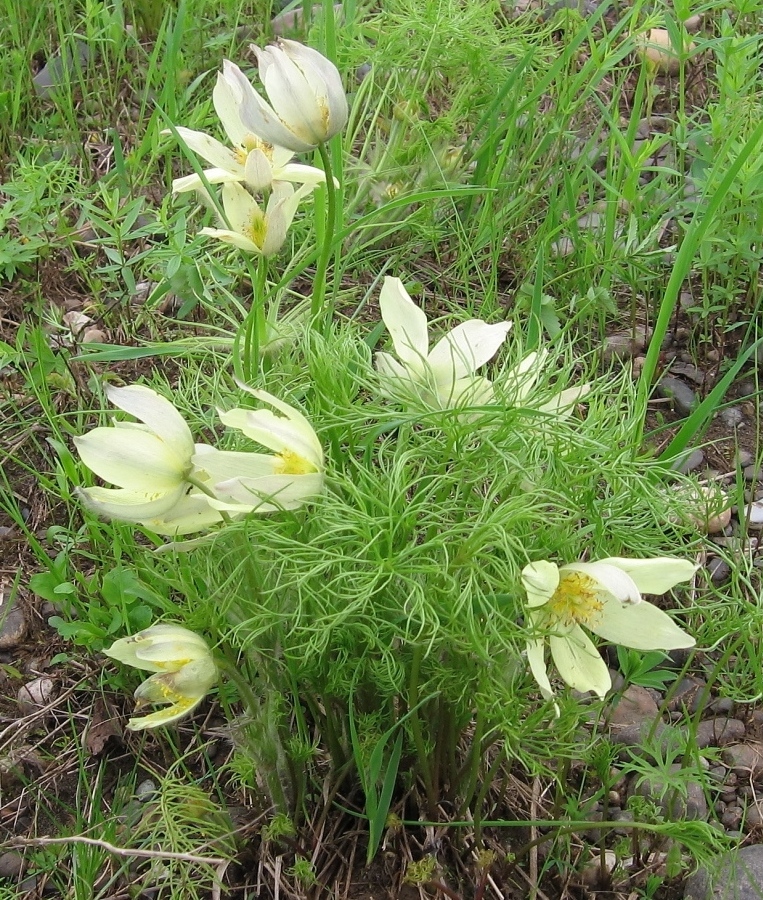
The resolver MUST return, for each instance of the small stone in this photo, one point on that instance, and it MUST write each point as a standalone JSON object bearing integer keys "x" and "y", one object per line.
{"x": 753, "y": 514}
{"x": 12, "y": 865}
{"x": 13, "y": 627}
{"x": 687, "y": 693}
{"x": 753, "y": 817}
{"x": 752, "y": 473}
{"x": 732, "y": 817}
{"x": 688, "y": 461}
{"x": 563, "y": 247}
{"x": 291, "y": 20}
{"x": 682, "y": 397}
{"x": 732, "y": 417}
{"x": 34, "y": 695}
{"x": 745, "y": 759}
{"x": 146, "y": 790}
{"x": 719, "y": 569}
{"x": 693, "y": 23}
{"x": 623, "y": 346}
{"x": 736, "y": 875}
{"x": 93, "y": 336}
{"x": 657, "y": 50}
{"x": 718, "y": 732}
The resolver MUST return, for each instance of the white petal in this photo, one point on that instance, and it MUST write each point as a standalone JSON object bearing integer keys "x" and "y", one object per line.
{"x": 271, "y": 493}
{"x": 126, "y": 505}
{"x": 136, "y": 460}
{"x": 537, "y": 662}
{"x": 608, "y": 578}
{"x": 406, "y": 323}
{"x": 240, "y": 208}
{"x": 258, "y": 171}
{"x": 222, "y": 465}
{"x": 654, "y": 576}
{"x": 579, "y": 663}
{"x": 294, "y": 99}
{"x": 563, "y": 403}
{"x": 389, "y": 367}
{"x": 300, "y": 174}
{"x": 324, "y": 78}
{"x": 467, "y": 347}
{"x": 234, "y": 238}
{"x": 210, "y": 149}
{"x": 469, "y": 391}
{"x": 274, "y": 432}
{"x": 641, "y": 626}
{"x": 226, "y": 98}
{"x": 156, "y": 412}
{"x": 521, "y": 380}
{"x": 194, "y": 182}
{"x": 193, "y": 512}
{"x": 540, "y": 580}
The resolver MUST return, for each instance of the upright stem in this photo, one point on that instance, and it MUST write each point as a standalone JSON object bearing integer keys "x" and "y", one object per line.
{"x": 418, "y": 737}
{"x": 254, "y": 327}
{"x": 319, "y": 285}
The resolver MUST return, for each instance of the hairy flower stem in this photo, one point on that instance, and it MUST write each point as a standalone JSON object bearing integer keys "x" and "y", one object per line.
{"x": 317, "y": 311}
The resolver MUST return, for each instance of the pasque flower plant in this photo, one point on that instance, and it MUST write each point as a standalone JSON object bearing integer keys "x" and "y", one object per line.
{"x": 184, "y": 666}
{"x": 605, "y": 598}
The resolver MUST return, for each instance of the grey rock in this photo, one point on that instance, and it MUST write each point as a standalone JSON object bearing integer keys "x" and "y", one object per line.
{"x": 678, "y": 798}
{"x": 690, "y": 371}
{"x": 60, "y": 68}
{"x": 732, "y": 818}
{"x": 13, "y": 627}
{"x": 12, "y": 865}
{"x": 744, "y": 458}
{"x": 745, "y": 759}
{"x": 584, "y": 7}
{"x": 34, "y": 695}
{"x": 719, "y": 731}
{"x": 624, "y": 346}
{"x": 753, "y": 514}
{"x": 682, "y": 397}
{"x": 687, "y": 694}
{"x": 719, "y": 569}
{"x": 688, "y": 461}
{"x": 731, "y": 417}
{"x": 752, "y": 473}
{"x": 753, "y": 817}
{"x": 737, "y": 875}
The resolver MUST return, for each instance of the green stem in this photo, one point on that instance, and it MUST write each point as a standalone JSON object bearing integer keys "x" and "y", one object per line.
{"x": 254, "y": 327}
{"x": 418, "y": 737}
{"x": 319, "y": 284}
{"x": 205, "y": 489}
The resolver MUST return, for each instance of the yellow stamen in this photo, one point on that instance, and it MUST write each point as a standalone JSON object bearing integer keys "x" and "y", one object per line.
{"x": 575, "y": 601}
{"x": 293, "y": 464}
{"x": 258, "y": 229}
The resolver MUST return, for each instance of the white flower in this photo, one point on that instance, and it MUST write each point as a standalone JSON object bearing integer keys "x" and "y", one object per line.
{"x": 445, "y": 376}
{"x": 148, "y": 462}
{"x": 251, "y": 159}
{"x": 307, "y": 100}
{"x": 285, "y": 479}
{"x": 520, "y": 382}
{"x": 251, "y": 229}
{"x": 605, "y": 597}
{"x": 184, "y": 667}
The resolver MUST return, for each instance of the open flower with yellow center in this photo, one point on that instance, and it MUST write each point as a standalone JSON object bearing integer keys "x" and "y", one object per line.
{"x": 184, "y": 667}
{"x": 264, "y": 482}
{"x": 250, "y": 159}
{"x": 307, "y": 100}
{"x": 253, "y": 229}
{"x": 444, "y": 376}
{"x": 603, "y": 597}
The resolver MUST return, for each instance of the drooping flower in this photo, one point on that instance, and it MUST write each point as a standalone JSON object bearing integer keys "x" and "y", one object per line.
{"x": 285, "y": 479}
{"x": 605, "y": 598}
{"x": 250, "y": 159}
{"x": 252, "y": 229}
{"x": 148, "y": 462}
{"x": 307, "y": 100}
{"x": 445, "y": 376}
{"x": 184, "y": 666}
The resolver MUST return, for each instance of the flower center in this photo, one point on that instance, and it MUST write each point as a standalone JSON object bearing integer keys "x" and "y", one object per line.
{"x": 575, "y": 601}
{"x": 258, "y": 229}
{"x": 293, "y": 464}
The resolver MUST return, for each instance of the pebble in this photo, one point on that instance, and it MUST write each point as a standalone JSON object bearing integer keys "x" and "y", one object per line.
{"x": 688, "y": 461}
{"x": 624, "y": 346}
{"x": 753, "y": 817}
{"x": 744, "y": 759}
{"x": 719, "y": 569}
{"x": 752, "y": 473}
{"x": 693, "y": 23}
{"x": 736, "y": 875}
{"x": 12, "y": 865}
{"x": 34, "y": 695}
{"x": 687, "y": 693}
{"x": 732, "y": 818}
{"x": 718, "y": 732}
{"x": 682, "y": 397}
{"x": 731, "y": 417}
{"x": 13, "y": 627}
{"x": 657, "y": 50}
{"x": 753, "y": 513}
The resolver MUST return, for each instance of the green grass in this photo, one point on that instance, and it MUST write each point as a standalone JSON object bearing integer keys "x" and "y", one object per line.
{"x": 372, "y": 641}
